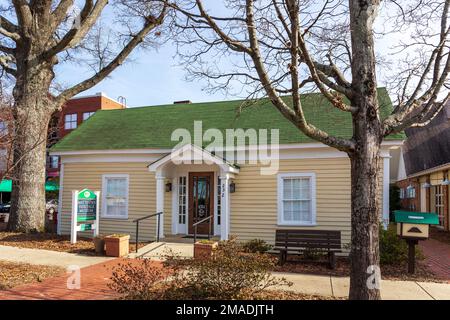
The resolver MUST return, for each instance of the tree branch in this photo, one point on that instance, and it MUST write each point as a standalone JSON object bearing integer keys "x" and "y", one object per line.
{"x": 149, "y": 25}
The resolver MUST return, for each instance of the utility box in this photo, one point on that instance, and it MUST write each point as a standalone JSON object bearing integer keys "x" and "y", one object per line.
{"x": 414, "y": 225}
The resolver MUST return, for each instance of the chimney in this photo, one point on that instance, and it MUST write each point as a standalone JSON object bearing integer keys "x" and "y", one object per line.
{"x": 183, "y": 102}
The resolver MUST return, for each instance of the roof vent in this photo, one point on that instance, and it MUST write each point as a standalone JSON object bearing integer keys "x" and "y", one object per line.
{"x": 183, "y": 102}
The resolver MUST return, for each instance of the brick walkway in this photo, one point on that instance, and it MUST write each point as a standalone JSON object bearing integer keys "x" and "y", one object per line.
{"x": 437, "y": 257}
{"x": 94, "y": 280}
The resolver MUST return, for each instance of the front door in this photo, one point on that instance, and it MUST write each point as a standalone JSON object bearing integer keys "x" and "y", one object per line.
{"x": 201, "y": 201}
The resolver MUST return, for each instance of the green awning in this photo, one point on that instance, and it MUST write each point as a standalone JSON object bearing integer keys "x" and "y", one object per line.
{"x": 416, "y": 217}
{"x": 6, "y": 186}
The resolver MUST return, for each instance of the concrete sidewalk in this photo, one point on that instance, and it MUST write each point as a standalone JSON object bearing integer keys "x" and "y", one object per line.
{"x": 390, "y": 290}
{"x": 157, "y": 250}
{"x": 47, "y": 257}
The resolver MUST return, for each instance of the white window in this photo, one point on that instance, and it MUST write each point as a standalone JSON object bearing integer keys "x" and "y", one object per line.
{"x": 70, "y": 121}
{"x": 182, "y": 200}
{"x": 411, "y": 192}
{"x": 297, "y": 199}
{"x": 402, "y": 193}
{"x": 54, "y": 162}
{"x": 115, "y": 196}
{"x": 87, "y": 115}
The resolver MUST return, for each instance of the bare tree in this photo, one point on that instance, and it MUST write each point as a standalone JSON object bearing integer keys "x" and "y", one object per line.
{"x": 35, "y": 36}
{"x": 279, "y": 47}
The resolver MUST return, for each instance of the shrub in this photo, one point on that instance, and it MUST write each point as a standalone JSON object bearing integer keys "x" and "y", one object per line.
{"x": 393, "y": 249}
{"x": 138, "y": 280}
{"x": 228, "y": 274}
{"x": 256, "y": 246}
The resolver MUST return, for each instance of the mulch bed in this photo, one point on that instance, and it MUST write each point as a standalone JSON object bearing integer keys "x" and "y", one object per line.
{"x": 14, "y": 274}
{"x": 388, "y": 272}
{"x": 52, "y": 242}
{"x": 440, "y": 235}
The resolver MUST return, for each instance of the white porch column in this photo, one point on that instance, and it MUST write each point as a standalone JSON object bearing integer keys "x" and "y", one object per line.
{"x": 386, "y": 180}
{"x": 225, "y": 206}
{"x": 160, "y": 189}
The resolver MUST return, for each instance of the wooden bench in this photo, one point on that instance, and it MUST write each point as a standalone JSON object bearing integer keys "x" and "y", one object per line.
{"x": 297, "y": 241}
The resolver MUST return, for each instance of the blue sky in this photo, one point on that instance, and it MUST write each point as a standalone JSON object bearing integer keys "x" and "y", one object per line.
{"x": 152, "y": 78}
{"x": 155, "y": 77}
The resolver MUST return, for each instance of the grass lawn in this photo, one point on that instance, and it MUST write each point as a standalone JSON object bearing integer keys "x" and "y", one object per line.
{"x": 51, "y": 241}
{"x": 14, "y": 274}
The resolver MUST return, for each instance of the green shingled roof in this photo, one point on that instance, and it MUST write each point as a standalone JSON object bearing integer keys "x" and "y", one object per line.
{"x": 152, "y": 127}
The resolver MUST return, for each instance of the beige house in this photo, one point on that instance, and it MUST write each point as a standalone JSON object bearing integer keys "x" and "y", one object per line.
{"x": 276, "y": 178}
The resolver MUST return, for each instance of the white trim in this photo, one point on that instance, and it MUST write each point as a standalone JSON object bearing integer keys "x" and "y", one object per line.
{"x": 386, "y": 180}
{"x": 312, "y": 177}
{"x": 160, "y": 190}
{"x": 112, "y": 158}
{"x": 114, "y": 175}
{"x": 113, "y": 151}
{"x": 225, "y": 206}
{"x": 194, "y": 154}
{"x": 388, "y": 143}
{"x": 60, "y": 197}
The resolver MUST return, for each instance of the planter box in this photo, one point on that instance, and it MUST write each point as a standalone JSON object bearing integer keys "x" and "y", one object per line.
{"x": 117, "y": 246}
{"x": 204, "y": 250}
{"x": 99, "y": 243}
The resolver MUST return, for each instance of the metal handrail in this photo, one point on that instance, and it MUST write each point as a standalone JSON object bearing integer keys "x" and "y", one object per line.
{"x": 143, "y": 218}
{"x": 201, "y": 221}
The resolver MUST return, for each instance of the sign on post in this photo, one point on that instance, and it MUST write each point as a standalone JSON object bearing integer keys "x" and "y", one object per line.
{"x": 85, "y": 212}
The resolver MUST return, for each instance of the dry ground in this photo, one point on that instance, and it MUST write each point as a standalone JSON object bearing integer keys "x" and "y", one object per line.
{"x": 388, "y": 272}
{"x": 14, "y": 274}
{"x": 51, "y": 241}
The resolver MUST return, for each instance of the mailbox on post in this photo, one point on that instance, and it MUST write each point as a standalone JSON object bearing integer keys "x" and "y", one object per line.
{"x": 414, "y": 226}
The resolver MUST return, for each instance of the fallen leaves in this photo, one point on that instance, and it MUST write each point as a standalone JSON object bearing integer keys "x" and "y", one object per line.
{"x": 13, "y": 274}
{"x": 52, "y": 242}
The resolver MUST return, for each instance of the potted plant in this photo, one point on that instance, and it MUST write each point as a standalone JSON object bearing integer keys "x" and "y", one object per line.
{"x": 99, "y": 243}
{"x": 117, "y": 245}
{"x": 204, "y": 248}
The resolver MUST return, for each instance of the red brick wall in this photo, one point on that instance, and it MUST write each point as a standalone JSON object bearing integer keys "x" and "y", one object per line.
{"x": 77, "y": 106}
{"x": 82, "y": 105}
{"x": 411, "y": 204}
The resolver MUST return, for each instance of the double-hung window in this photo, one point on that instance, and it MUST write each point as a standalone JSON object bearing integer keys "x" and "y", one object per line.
{"x": 297, "y": 199}
{"x": 115, "y": 196}
{"x": 70, "y": 121}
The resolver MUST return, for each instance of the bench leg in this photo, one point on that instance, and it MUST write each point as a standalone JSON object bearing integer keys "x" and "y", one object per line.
{"x": 332, "y": 259}
{"x": 282, "y": 258}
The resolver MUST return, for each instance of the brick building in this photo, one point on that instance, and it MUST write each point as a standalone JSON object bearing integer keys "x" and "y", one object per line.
{"x": 75, "y": 112}
{"x": 426, "y": 154}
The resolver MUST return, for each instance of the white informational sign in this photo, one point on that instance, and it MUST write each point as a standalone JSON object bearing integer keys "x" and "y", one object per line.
{"x": 85, "y": 213}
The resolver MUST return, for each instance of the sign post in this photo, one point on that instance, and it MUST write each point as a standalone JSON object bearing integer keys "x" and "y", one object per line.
{"x": 85, "y": 212}
{"x": 414, "y": 226}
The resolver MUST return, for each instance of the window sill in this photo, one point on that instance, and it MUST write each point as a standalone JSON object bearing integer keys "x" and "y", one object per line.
{"x": 114, "y": 217}
{"x": 297, "y": 224}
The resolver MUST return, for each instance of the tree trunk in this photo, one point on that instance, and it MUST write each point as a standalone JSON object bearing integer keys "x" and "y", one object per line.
{"x": 32, "y": 111}
{"x": 366, "y": 213}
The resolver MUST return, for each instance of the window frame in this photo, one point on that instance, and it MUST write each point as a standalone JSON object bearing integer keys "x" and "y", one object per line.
{"x": 90, "y": 113}
{"x": 280, "y": 194}
{"x": 71, "y": 121}
{"x": 105, "y": 177}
